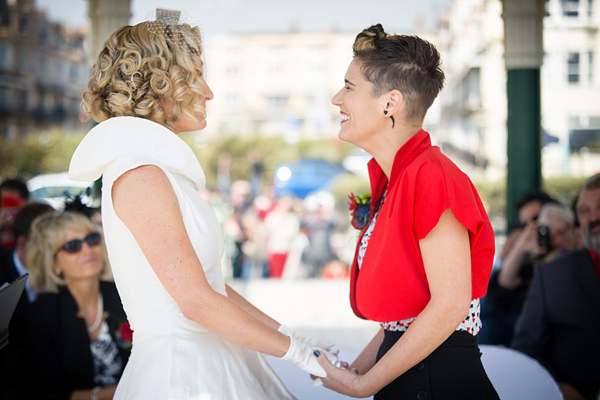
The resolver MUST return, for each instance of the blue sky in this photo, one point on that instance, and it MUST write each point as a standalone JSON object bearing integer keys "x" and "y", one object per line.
{"x": 235, "y": 16}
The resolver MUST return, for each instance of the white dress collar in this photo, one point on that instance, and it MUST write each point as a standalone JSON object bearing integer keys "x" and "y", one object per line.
{"x": 126, "y": 136}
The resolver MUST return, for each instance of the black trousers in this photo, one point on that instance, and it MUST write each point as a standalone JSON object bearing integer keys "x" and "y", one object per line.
{"x": 452, "y": 371}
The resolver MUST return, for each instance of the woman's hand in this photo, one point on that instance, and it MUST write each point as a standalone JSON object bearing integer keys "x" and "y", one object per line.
{"x": 344, "y": 381}
{"x": 569, "y": 392}
{"x": 309, "y": 341}
{"x": 526, "y": 242}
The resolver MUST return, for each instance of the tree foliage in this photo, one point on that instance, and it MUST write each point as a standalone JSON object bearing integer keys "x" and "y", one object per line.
{"x": 51, "y": 151}
{"x": 47, "y": 152}
{"x": 270, "y": 150}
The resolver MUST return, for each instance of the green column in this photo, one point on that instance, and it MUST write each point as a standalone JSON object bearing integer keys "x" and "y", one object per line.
{"x": 524, "y": 136}
{"x": 523, "y": 53}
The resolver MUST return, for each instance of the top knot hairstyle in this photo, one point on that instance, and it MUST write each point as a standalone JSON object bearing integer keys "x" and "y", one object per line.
{"x": 138, "y": 68}
{"x": 406, "y": 63}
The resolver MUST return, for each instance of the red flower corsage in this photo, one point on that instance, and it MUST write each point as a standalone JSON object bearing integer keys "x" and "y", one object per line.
{"x": 360, "y": 207}
{"x": 125, "y": 335}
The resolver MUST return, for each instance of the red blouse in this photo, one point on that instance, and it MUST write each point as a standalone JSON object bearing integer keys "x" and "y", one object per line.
{"x": 391, "y": 284}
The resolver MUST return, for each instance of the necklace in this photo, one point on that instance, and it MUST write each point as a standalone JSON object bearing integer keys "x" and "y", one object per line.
{"x": 99, "y": 315}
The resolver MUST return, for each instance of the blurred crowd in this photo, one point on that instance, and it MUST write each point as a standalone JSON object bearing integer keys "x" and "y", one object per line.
{"x": 543, "y": 297}
{"x": 70, "y": 334}
{"x": 283, "y": 236}
{"x": 268, "y": 237}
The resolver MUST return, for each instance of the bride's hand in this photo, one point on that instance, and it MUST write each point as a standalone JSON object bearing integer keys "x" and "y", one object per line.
{"x": 300, "y": 354}
{"x": 309, "y": 341}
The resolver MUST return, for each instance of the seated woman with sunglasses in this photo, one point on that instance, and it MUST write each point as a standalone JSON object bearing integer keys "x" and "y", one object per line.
{"x": 76, "y": 330}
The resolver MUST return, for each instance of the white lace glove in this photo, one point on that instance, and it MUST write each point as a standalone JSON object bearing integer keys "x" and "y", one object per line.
{"x": 302, "y": 355}
{"x": 310, "y": 341}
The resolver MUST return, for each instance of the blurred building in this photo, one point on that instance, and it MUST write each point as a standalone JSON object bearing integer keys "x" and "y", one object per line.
{"x": 473, "y": 118}
{"x": 571, "y": 87}
{"x": 472, "y": 128}
{"x": 43, "y": 70}
{"x": 276, "y": 84}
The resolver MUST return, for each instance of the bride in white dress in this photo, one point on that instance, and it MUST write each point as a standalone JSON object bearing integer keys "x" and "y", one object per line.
{"x": 194, "y": 336}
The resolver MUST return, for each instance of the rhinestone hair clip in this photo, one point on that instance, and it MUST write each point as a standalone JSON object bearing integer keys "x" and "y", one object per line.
{"x": 172, "y": 26}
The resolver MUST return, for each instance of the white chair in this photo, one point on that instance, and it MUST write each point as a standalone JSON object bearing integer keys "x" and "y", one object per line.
{"x": 516, "y": 376}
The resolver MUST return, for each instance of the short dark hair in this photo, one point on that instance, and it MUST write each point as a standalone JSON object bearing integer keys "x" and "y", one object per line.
{"x": 402, "y": 62}
{"x": 536, "y": 195}
{"x": 593, "y": 182}
{"x": 25, "y": 216}
{"x": 18, "y": 186}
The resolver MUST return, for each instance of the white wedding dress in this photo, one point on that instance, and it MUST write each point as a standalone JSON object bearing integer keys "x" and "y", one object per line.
{"x": 172, "y": 357}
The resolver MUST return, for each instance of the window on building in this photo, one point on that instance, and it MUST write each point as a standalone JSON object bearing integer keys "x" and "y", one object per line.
{"x": 5, "y": 98}
{"x": 590, "y": 67}
{"x": 570, "y": 8}
{"x": 232, "y": 72}
{"x": 232, "y": 99}
{"x": 24, "y": 25}
{"x": 74, "y": 72}
{"x": 63, "y": 70}
{"x": 21, "y": 99}
{"x": 6, "y": 55}
{"x": 275, "y": 101}
{"x": 573, "y": 68}
{"x": 44, "y": 66}
{"x": 24, "y": 57}
{"x": 4, "y": 14}
{"x": 274, "y": 71}
{"x": 230, "y": 126}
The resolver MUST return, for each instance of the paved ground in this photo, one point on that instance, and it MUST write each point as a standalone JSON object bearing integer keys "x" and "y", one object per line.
{"x": 317, "y": 307}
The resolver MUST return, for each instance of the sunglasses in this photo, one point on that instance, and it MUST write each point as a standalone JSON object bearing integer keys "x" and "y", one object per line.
{"x": 74, "y": 246}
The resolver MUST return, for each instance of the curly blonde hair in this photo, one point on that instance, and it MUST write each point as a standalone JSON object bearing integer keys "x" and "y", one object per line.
{"x": 137, "y": 70}
{"x": 403, "y": 62}
{"x": 48, "y": 234}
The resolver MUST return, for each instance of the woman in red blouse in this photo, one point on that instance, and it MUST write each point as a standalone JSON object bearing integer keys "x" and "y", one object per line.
{"x": 424, "y": 258}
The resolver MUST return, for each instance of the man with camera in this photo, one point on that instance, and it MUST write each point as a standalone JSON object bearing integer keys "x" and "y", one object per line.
{"x": 560, "y": 321}
{"x": 510, "y": 280}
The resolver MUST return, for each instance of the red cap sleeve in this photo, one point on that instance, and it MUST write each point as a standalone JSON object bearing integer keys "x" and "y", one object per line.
{"x": 438, "y": 189}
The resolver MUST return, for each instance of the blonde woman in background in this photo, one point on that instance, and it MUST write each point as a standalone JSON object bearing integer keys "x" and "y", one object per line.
{"x": 75, "y": 328}
{"x": 194, "y": 336}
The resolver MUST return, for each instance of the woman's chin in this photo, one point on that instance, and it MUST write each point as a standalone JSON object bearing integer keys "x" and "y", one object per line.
{"x": 344, "y": 137}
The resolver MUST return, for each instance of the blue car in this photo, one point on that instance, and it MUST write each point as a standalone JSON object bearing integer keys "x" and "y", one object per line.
{"x": 299, "y": 178}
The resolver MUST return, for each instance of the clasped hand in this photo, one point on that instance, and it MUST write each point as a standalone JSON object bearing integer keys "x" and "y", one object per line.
{"x": 343, "y": 380}
{"x": 301, "y": 352}
{"x": 314, "y": 356}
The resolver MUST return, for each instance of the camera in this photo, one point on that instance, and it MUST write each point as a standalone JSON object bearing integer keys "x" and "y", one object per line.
{"x": 543, "y": 236}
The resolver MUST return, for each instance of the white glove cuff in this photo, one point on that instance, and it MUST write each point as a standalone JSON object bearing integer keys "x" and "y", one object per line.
{"x": 300, "y": 354}
{"x": 285, "y": 330}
